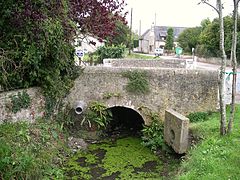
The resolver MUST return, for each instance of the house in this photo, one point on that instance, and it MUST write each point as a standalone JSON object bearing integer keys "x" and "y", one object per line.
{"x": 87, "y": 43}
{"x": 156, "y": 37}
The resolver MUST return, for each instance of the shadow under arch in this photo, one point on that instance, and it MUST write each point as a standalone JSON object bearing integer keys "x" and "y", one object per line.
{"x": 125, "y": 120}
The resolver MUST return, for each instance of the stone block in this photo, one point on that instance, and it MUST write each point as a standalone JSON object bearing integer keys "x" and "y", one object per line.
{"x": 176, "y": 131}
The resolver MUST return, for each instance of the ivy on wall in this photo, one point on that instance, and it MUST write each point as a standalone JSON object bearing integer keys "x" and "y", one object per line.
{"x": 138, "y": 82}
{"x": 20, "y": 101}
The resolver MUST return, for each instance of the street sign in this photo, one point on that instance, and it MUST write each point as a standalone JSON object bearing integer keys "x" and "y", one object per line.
{"x": 178, "y": 50}
{"x": 79, "y": 53}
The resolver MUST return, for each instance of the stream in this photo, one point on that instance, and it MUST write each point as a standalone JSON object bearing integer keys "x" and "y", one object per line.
{"x": 121, "y": 158}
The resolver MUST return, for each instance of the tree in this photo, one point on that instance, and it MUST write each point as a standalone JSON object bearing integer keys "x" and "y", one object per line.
{"x": 40, "y": 34}
{"x": 205, "y": 23}
{"x": 36, "y": 44}
{"x": 209, "y": 38}
{"x": 170, "y": 39}
{"x": 189, "y": 38}
{"x": 233, "y": 42}
{"x": 122, "y": 33}
{"x": 234, "y": 63}
{"x": 97, "y": 17}
{"x": 219, "y": 9}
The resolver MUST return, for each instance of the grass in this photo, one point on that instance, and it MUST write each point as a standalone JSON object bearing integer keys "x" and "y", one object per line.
{"x": 31, "y": 151}
{"x": 216, "y": 157}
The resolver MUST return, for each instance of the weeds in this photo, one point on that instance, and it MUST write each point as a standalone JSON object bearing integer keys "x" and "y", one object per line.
{"x": 20, "y": 101}
{"x": 138, "y": 82}
{"x": 97, "y": 114}
{"x": 198, "y": 116}
{"x": 29, "y": 151}
{"x": 153, "y": 134}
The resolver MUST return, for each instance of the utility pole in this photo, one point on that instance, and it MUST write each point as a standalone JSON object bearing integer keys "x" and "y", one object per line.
{"x": 155, "y": 21}
{"x": 130, "y": 42}
{"x": 140, "y": 28}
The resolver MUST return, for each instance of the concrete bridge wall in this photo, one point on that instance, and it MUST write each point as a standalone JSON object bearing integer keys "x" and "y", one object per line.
{"x": 180, "y": 89}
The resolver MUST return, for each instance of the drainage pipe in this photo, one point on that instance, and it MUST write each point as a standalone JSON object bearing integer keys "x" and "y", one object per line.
{"x": 80, "y": 107}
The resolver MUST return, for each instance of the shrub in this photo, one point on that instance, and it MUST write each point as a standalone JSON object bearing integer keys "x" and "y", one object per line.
{"x": 97, "y": 114}
{"x": 138, "y": 82}
{"x": 153, "y": 134}
{"x": 110, "y": 52}
{"x": 38, "y": 51}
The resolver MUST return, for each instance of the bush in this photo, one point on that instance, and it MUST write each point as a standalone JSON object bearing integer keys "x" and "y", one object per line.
{"x": 97, "y": 114}
{"x": 110, "y": 52}
{"x": 138, "y": 82}
{"x": 20, "y": 101}
{"x": 36, "y": 48}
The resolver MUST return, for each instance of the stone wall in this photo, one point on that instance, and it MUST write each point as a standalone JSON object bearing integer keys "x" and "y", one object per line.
{"x": 213, "y": 61}
{"x": 35, "y": 110}
{"x": 163, "y": 63}
{"x": 182, "y": 90}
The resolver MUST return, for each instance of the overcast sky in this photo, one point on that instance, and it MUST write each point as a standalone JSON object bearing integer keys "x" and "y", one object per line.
{"x": 181, "y": 13}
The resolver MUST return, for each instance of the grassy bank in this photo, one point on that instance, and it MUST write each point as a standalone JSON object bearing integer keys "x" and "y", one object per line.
{"x": 31, "y": 151}
{"x": 38, "y": 151}
{"x": 215, "y": 157}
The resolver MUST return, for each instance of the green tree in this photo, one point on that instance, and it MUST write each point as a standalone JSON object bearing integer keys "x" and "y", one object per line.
{"x": 189, "y": 38}
{"x": 170, "y": 39}
{"x": 122, "y": 33}
{"x": 205, "y": 23}
{"x": 209, "y": 39}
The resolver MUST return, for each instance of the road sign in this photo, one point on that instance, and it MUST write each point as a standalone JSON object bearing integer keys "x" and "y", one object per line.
{"x": 79, "y": 53}
{"x": 178, "y": 50}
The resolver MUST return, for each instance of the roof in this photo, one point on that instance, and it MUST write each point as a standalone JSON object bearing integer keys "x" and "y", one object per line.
{"x": 161, "y": 31}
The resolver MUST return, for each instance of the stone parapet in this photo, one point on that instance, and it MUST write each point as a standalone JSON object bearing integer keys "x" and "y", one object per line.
{"x": 163, "y": 63}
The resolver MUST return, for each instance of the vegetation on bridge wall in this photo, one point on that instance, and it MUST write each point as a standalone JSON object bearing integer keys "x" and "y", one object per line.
{"x": 138, "y": 82}
{"x": 27, "y": 104}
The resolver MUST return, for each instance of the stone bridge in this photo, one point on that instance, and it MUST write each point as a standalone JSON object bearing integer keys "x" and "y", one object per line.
{"x": 183, "y": 90}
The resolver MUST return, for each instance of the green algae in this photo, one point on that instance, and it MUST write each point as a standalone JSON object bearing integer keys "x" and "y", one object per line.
{"x": 124, "y": 158}
{"x": 127, "y": 155}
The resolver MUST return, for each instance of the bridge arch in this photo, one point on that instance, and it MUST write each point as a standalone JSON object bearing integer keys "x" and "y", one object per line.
{"x": 125, "y": 119}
